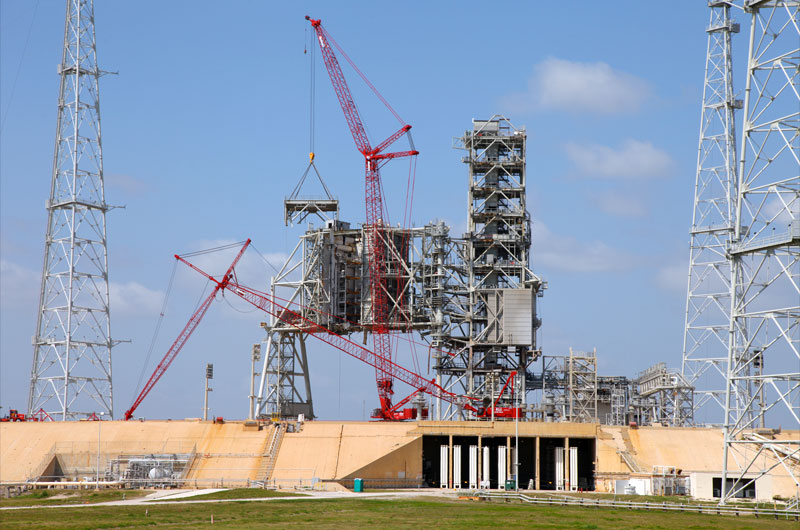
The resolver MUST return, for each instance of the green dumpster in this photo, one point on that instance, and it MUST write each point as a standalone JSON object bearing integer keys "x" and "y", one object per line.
{"x": 511, "y": 485}
{"x": 358, "y": 485}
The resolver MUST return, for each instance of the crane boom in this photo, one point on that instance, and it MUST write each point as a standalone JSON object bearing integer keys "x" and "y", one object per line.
{"x": 186, "y": 332}
{"x": 376, "y": 262}
{"x": 272, "y": 306}
{"x": 342, "y": 90}
{"x": 268, "y": 304}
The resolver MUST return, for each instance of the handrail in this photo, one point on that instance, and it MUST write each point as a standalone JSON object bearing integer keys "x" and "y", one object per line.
{"x": 713, "y": 509}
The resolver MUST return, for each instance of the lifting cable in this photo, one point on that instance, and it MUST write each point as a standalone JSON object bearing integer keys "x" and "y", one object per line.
{"x": 163, "y": 312}
{"x": 364, "y": 77}
{"x": 311, "y": 102}
{"x": 265, "y": 259}
{"x": 210, "y": 250}
{"x": 155, "y": 333}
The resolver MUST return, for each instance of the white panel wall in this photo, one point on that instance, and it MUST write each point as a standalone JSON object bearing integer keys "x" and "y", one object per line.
{"x": 457, "y": 466}
{"x": 560, "y": 468}
{"x": 485, "y": 476}
{"x": 573, "y": 469}
{"x": 501, "y": 467}
{"x": 444, "y": 469}
{"x": 517, "y": 316}
{"x": 473, "y": 466}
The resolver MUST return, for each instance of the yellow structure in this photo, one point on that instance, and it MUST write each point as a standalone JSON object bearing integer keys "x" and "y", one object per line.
{"x": 330, "y": 454}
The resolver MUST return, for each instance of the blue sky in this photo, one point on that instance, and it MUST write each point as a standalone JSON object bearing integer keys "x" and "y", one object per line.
{"x": 205, "y": 130}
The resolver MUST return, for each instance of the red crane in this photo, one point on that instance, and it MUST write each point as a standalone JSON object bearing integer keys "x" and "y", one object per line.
{"x": 387, "y": 368}
{"x": 374, "y": 158}
{"x": 187, "y": 331}
{"x": 273, "y": 306}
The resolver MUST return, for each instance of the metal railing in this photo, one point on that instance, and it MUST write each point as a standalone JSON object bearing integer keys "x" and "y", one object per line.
{"x": 711, "y": 509}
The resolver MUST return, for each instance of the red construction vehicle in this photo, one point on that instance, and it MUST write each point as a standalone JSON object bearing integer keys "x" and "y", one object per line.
{"x": 501, "y": 412}
{"x": 13, "y": 415}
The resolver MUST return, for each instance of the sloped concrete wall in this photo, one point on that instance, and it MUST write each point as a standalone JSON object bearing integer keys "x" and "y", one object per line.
{"x": 27, "y": 447}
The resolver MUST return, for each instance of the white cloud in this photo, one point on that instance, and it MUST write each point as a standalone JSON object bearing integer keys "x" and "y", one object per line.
{"x": 673, "y": 278}
{"x": 567, "y": 253}
{"x": 782, "y": 207}
{"x": 618, "y": 204}
{"x": 127, "y": 184}
{"x": 580, "y": 87}
{"x": 19, "y": 287}
{"x": 634, "y": 159}
{"x": 133, "y": 298}
{"x": 251, "y": 269}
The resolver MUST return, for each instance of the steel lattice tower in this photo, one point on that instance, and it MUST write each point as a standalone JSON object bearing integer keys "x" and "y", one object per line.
{"x": 764, "y": 354}
{"x": 71, "y": 375}
{"x": 705, "y": 343}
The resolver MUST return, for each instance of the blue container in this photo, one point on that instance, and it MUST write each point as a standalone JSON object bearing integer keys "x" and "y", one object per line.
{"x": 358, "y": 485}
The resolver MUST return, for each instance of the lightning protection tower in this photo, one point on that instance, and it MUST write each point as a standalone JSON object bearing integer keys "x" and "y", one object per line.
{"x": 764, "y": 354}
{"x": 705, "y": 345}
{"x": 71, "y": 375}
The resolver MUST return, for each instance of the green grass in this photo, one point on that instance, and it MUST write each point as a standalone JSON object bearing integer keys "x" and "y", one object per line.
{"x": 46, "y": 497}
{"x": 374, "y": 513}
{"x": 239, "y": 493}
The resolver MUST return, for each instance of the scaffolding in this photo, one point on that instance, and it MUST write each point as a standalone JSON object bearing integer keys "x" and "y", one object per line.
{"x": 325, "y": 281}
{"x": 663, "y": 397}
{"x": 496, "y": 291}
{"x": 472, "y": 297}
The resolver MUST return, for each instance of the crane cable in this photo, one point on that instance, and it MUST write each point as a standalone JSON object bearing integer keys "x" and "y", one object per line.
{"x": 155, "y": 333}
{"x": 311, "y": 104}
{"x": 164, "y": 304}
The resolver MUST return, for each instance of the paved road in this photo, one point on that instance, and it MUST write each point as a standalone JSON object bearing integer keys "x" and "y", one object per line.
{"x": 172, "y": 496}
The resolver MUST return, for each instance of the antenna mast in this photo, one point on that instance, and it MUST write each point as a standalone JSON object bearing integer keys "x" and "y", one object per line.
{"x": 71, "y": 374}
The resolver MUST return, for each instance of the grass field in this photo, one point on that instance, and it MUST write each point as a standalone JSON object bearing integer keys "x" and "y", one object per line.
{"x": 64, "y": 496}
{"x": 240, "y": 493}
{"x": 373, "y": 513}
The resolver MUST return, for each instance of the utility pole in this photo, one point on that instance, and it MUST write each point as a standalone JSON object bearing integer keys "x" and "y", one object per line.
{"x": 254, "y": 358}
{"x": 209, "y": 376}
{"x": 516, "y": 432}
{"x": 97, "y": 469}
{"x": 71, "y": 373}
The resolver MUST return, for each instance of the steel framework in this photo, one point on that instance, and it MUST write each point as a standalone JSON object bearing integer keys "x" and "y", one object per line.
{"x": 662, "y": 396}
{"x": 491, "y": 329}
{"x": 764, "y": 350}
{"x": 71, "y": 374}
{"x": 325, "y": 280}
{"x": 473, "y": 298}
{"x": 705, "y": 346}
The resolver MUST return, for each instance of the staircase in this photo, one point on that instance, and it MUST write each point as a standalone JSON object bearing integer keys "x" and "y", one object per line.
{"x": 271, "y": 453}
{"x": 631, "y": 461}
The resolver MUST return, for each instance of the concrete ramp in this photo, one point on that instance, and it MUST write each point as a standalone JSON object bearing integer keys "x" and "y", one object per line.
{"x": 327, "y": 451}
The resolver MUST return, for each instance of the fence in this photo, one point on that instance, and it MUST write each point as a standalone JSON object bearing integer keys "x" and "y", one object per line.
{"x": 713, "y": 509}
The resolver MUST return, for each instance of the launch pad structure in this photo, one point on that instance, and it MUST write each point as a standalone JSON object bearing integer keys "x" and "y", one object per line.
{"x": 471, "y": 297}
{"x": 472, "y": 301}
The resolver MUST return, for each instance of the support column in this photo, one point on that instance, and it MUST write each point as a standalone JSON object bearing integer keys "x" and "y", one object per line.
{"x": 508, "y": 456}
{"x": 538, "y": 479}
{"x": 450, "y": 467}
{"x": 566, "y": 465}
{"x": 480, "y": 461}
